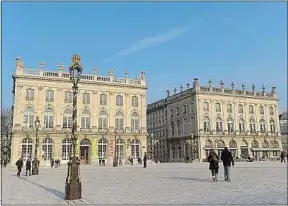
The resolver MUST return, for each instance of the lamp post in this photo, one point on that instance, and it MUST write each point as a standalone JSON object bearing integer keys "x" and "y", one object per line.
{"x": 35, "y": 166}
{"x": 115, "y": 161}
{"x": 73, "y": 187}
{"x": 151, "y": 140}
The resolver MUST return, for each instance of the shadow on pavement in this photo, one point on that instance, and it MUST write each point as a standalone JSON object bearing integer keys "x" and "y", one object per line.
{"x": 52, "y": 191}
{"x": 188, "y": 178}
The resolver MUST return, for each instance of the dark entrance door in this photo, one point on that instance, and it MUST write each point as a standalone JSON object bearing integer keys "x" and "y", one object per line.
{"x": 84, "y": 154}
{"x": 244, "y": 152}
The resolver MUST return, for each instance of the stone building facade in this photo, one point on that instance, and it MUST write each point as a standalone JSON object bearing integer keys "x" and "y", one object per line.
{"x": 191, "y": 122}
{"x": 111, "y": 117}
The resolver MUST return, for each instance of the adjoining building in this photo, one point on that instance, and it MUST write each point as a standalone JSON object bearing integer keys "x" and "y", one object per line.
{"x": 191, "y": 122}
{"x": 283, "y": 119}
{"x": 110, "y": 111}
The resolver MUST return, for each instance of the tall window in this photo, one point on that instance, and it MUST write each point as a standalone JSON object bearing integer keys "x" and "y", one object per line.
{"x": 178, "y": 127}
{"x": 135, "y": 121}
{"x": 103, "y": 120}
{"x": 178, "y": 111}
{"x": 229, "y": 108}
{"x": 192, "y": 107}
{"x": 206, "y": 124}
{"x": 67, "y": 118}
{"x": 261, "y": 110}
{"x": 102, "y": 148}
{"x": 49, "y": 96}
{"x": 230, "y": 125}
{"x": 66, "y": 148}
{"x": 29, "y": 117}
{"x": 252, "y": 126}
{"x": 171, "y": 112}
{"x": 240, "y": 108}
{"x": 26, "y": 148}
{"x": 219, "y": 124}
{"x": 185, "y": 109}
{"x": 86, "y": 119}
{"x": 30, "y": 94}
{"x": 68, "y": 97}
{"x": 103, "y": 99}
{"x": 47, "y": 148}
{"x": 120, "y": 149}
{"x": 48, "y": 118}
{"x": 119, "y": 100}
{"x": 218, "y": 107}
{"x": 135, "y": 148}
{"x": 172, "y": 128}
{"x": 272, "y": 126}
{"x": 262, "y": 126}
{"x": 119, "y": 120}
{"x": 241, "y": 125}
{"x": 206, "y": 106}
{"x": 86, "y": 98}
{"x": 271, "y": 110}
{"x": 251, "y": 109}
{"x": 134, "y": 101}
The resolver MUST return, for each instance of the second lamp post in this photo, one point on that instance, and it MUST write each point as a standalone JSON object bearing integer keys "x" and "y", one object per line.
{"x": 35, "y": 162}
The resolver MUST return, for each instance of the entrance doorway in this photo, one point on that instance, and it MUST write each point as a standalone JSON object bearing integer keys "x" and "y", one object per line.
{"x": 244, "y": 152}
{"x": 85, "y": 146}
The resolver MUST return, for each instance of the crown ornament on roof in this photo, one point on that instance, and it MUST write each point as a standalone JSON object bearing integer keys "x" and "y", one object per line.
{"x": 76, "y": 59}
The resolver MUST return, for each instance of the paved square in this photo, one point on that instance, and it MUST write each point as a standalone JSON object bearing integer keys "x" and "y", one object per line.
{"x": 167, "y": 183}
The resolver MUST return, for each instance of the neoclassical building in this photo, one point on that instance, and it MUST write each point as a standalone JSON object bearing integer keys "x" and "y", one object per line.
{"x": 111, "y": 117}
{"x": 190, "y": 122}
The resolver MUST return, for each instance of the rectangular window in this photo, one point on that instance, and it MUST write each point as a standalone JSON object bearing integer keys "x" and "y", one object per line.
{"x": 30, "y": 94}
{"x": 67, "y": 122}
{"x": 119, "y": 100}
{"x": 48, "y": 121}
{"x": 86, "y": 98}
{"x": 134, "y": 124}
{"x": 230, "y": 127}
{"x": 252, "y": 128}
{"x": 178, "y": 111}
{"x": 102, "y": 123}
{"x": 119, "y": 123}
{"x": 229, "y": 108}
{"x": 103, "y": 99}
{"x": 85, "y": 122}
{"x": 206, "y": 127}
{"x": 49, "y": 96}
{"x": 218, "y": 126}
{"x": 218, "y": 107}
{"x": 134, "y": 101}
{"x": 29, "y": 120}
{"x": 68, "y": 97}
{"x": 192, "y": 107}
{"x": 185, "y": 109}
{"x": 241, "y": 127}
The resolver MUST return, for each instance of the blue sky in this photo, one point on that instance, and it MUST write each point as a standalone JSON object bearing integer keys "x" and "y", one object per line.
{"x": 173, "y": 42}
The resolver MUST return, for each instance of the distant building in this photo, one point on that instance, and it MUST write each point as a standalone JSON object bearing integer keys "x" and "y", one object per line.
{"x": 284, "y": 129}
{"x": 191, "y": 122}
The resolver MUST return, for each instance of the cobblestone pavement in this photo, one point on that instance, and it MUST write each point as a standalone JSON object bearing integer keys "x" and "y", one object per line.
{"x": 167, "y": 183}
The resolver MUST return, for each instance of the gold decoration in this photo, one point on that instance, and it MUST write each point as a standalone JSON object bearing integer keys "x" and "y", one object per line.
{"x": 76, "y": 59}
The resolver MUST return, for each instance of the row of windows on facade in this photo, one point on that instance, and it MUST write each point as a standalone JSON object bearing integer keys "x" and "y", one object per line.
{"x": 48, "y": 145}
{"x": 85, "y": 119}
{"x": 185, "y": 110}
{"x": 85, "y": 98}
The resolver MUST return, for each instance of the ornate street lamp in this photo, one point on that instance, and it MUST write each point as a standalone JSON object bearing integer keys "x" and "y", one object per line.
{"x": 115, "y": 161}
{"x": 35, "y": 163}
{"x": 73, "y": 187}
{"x": 151, "y": 140}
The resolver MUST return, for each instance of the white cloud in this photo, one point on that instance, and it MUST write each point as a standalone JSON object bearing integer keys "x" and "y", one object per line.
{"x": 151, "y": 41}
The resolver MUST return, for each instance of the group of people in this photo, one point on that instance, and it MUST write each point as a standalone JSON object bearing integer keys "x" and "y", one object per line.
{"x": 55, "y": 162}
{"x": 227, "y": 160}
{"x": 29, "y": 165}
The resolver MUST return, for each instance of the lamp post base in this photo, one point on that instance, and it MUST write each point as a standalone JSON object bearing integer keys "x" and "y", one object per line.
{"x": 115, "y": 162}
{"x": 35, "y": 171}
{"x": 73, "y": 187}
{"x": 35, "y": 167}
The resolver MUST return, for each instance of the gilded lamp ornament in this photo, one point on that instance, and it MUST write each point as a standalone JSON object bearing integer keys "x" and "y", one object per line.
{"x": 75, "y": 69}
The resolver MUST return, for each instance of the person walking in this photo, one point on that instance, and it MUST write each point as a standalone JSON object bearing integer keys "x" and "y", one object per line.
{"x": 28, "y": 167}
{"x": 282, "y": 157}
{"x": 145, "y": 160}
{"x": 19, "y": 165}
{"x": 227, "y": 159}
{"x": 52, "y": 162}
{"x": 213, "y": 159}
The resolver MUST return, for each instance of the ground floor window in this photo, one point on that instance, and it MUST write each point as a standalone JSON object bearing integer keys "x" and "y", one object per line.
{"x": 102, "y": 148}
{"x": 135, "y": 149}
{"x": 119, "y": 149}
{"x": 275, "y": 153}
{"x": 26, "y": 148}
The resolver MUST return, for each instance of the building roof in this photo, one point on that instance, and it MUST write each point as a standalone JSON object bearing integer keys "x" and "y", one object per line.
{"x": 283, "y": 116}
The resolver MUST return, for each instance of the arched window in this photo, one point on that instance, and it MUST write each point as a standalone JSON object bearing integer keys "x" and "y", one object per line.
{"x": 206, "y": 106}
{"x": 67, "y": 118}
{"x": 272, "y": 126}
{"x": 66, "y": 149}
{"x": 120, "y": 149}
{"x": 274, "y": 144}
{"x": 48, "y": 118}
{"x": 135, "y": 148}
{"x": 271, "y": 110}
{"x": 172, "y": 128}
{"x": 218, "y": 107}
{"x": 47, "y": 148}
{"x": 265, "y": 144}
{"x": 135, "y": 121}
{"x": 220, "y": 144}
{"x": 252, "y": 126}
{"x": 255, "y": 144}
{"x": 261, "y": 110}
{"x": 232, "y": 144}
{"x": 206, "y": 125}
{"x": 29, "y": 117}
{"x": 119, "y": 100}
{"x": 218, "y": 124}
{"x": 241, "y": 125}
{"x": 230, "y": 125}
{"x": 208, "y": 144}
{"x": 102, "y": 148}
{"x": 86, "y": 119}
{"x": 26, "y": 148}
{"x": 103, "y": 120}
{"x": 251, "y": 109}
{"x": 240, "y": 108}
{"x": 244, "y": 143}
{"x": 134, "y": 101}
{"x": 119, "y": 120}
{"x": 262, "y": 126}
{"x": 85, "y": 142}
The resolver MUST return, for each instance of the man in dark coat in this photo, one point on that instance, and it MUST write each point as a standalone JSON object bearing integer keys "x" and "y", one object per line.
{"x": 282, "y": 157}
{"x": 19, "y": 165}
{"x": 213, "y": 159}
{"x": 145, "y": 160}
{"x": 227, "y": 159}
{"x": 28, "y": 167}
